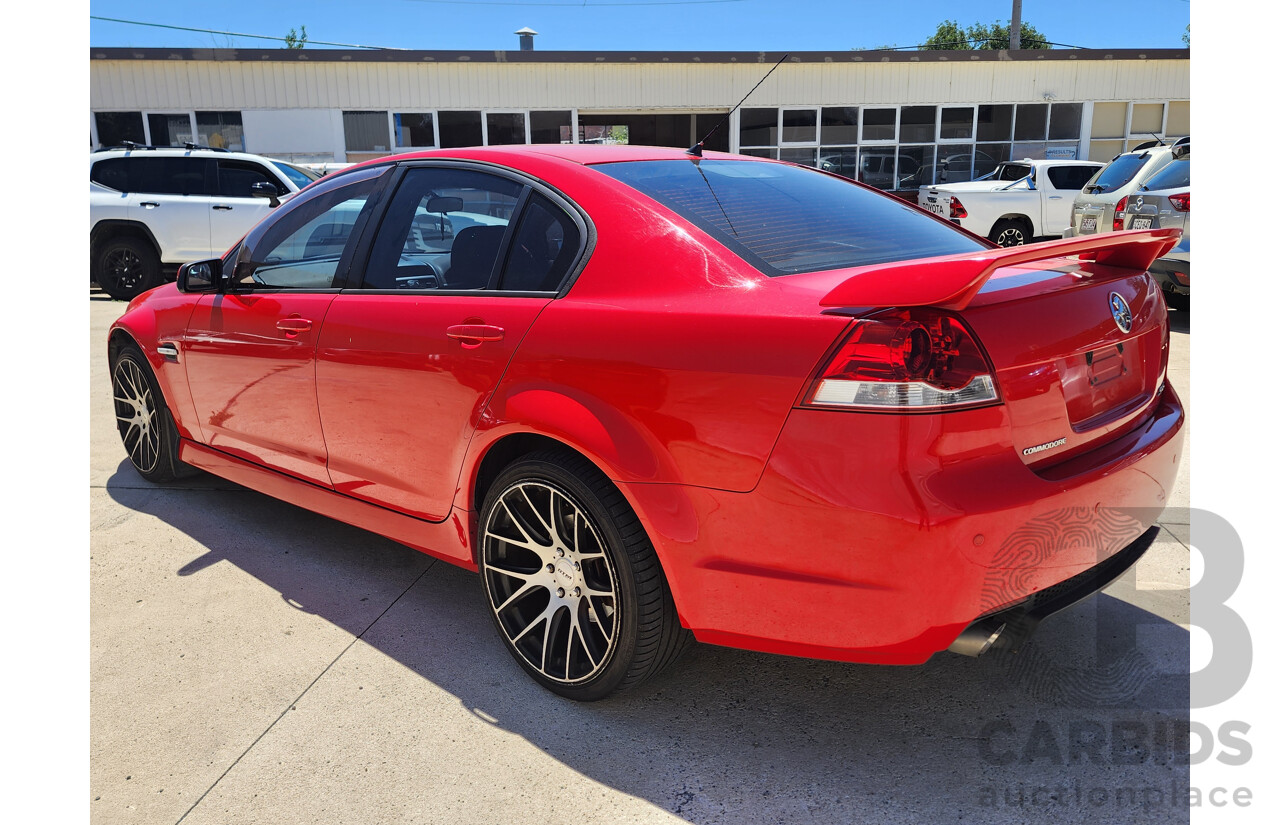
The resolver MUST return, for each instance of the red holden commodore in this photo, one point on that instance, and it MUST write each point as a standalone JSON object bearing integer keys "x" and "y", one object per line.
{"x": 652, "y": 397}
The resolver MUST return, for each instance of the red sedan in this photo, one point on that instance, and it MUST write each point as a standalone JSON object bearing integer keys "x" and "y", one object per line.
{"x": 650, "y": 397}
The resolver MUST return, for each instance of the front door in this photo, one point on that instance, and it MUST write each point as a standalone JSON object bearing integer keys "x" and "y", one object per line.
{"x": 250, "y": 352}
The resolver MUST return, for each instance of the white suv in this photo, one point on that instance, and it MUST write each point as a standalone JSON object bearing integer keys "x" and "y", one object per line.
{"x": 152, "y": 209}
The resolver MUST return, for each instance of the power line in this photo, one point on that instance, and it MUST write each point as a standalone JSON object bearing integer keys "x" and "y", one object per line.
{"x": 233, "y": 34}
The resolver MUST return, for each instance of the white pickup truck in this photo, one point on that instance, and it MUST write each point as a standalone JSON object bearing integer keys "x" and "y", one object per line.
{"x": 1019, "y": 201}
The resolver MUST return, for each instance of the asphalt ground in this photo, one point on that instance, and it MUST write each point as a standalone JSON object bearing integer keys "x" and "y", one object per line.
{"x": 255, "y": 662}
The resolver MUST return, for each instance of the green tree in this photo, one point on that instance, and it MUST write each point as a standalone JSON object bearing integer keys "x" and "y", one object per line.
{"x": 293, "y": 40}
{"x": 1186, "y": 36}
{"x": 950, "y": 36}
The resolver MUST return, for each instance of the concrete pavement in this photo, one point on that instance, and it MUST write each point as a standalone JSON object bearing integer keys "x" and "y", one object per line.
{"x": 254, "y": 662}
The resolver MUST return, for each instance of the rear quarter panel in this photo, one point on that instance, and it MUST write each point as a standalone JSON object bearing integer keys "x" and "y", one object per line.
{"x": 670, "y": 360}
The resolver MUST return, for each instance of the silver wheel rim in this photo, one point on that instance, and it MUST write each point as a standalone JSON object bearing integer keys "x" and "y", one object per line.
{"x": 1011, "y": 237}
{"x": 136, "y": 415}
{"x": 550, "y": 583}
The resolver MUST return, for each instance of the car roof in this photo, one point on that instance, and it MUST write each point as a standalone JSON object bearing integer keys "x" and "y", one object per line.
{"x": 175, "y": 151}
{"x": 580, "y": 153}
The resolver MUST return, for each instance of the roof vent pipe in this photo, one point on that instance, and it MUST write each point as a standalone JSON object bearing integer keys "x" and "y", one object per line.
{"x": 526, "y": 39}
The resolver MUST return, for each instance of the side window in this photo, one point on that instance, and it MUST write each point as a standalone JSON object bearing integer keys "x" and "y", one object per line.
{"x": 545, "y": 246}
{"x": 237, "y": 177}
{"x": 444, "y": 229}
{"x": 154, "y": 175}
{"x": 169, "y": 176}
{"x": 303, "y": 247}
{"x": 1070, "y": 177}
{"x": 112, "y": 173}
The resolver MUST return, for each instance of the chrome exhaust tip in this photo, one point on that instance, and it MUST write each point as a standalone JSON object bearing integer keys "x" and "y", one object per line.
{"x": 977, "y": 638}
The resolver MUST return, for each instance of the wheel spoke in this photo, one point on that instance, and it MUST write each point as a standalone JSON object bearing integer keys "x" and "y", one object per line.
{"x": 551, "y": 531}
{"x": 567, "y": 606}
{"x": 524, "y": 590}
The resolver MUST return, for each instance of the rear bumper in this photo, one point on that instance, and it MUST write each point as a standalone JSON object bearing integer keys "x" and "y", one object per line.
{"x": 886, "y": 549}
{"x": 1173, "y": 273}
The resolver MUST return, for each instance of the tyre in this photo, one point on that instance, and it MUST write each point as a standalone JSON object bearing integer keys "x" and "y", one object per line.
{"x": 572, "y": 581}
{"x": 126, "y": 267}
{"x": 1177, "y": 300}
{"x": 146, "y": 426}
{"x": 1010, "y": 232}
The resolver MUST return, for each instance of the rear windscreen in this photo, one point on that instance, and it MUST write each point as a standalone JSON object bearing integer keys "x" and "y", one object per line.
{"x": 1116, "y": 173}
{"x": 785, "y": 219}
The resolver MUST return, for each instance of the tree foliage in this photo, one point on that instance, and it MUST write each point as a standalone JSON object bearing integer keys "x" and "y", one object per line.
{"x": 293, "y": 40}
{"x": 1186, "y": 36}
{"x": 988, "y": 37}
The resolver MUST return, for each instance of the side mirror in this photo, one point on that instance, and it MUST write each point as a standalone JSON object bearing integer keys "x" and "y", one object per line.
{"x": 200, "y": 276}
{"x": 262, "y": 189}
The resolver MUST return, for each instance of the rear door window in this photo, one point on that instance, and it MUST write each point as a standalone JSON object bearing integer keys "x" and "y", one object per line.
{"x": 544, "y": 248}
{"x": 444, "y": 229}
{"x": 785, "y": 219}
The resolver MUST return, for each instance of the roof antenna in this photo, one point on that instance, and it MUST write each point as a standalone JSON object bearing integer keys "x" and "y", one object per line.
{"x": 696, "y": 149}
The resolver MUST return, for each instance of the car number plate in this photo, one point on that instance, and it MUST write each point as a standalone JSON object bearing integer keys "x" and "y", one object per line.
{"x": 1089, "y": 223}
{"x": 1141, "y": 223}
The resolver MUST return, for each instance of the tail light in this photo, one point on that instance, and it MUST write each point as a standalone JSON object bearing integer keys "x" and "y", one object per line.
{"x": 906, "y": 361}
{"x": 1182, "y": 202}
{"x": 957, "y": 209}
{"x": 1117, "y": 223}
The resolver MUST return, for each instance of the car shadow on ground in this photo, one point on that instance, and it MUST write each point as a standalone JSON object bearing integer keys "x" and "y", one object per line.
{"x": 1083, "y": 723}
{"x": 1180, "y": 320}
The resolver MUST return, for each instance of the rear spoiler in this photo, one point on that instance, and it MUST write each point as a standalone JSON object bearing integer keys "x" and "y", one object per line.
{"x": 952, "y": 281}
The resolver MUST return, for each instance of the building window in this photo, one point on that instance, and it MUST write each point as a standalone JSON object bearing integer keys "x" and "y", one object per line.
{"x": 799, "y": 125}
{"x": 220, "y": 130}
{"x": 879, "y": 124}
{"x": 840, "y": 125}
{"x": 758, "y": 127}
{"x": 415, "y": 130}
{"x": 169, "y": 130}
{"x": 366, "y": 131}
{"x": 1064, "y": 121}
{"x": 114, "y": 128}
{"x": 918, "y": 124}
{"x": 505, "y": 128}
{"x": 458, "y": 129}
{"x": 551, "y": 127}
{"x": 956, "y": 123}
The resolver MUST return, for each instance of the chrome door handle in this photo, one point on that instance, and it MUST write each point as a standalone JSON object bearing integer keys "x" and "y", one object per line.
{"x": 149, "y": 204}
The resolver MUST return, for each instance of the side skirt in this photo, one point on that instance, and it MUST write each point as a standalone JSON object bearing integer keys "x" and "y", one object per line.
{"x": 447, "y": 540}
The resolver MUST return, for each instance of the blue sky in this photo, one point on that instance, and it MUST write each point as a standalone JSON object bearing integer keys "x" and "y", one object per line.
{"x": 626, "y": 25}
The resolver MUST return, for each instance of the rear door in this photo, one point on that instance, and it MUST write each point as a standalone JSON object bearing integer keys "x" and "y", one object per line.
{"x": 235, "y": 210}
{"x": 461, "y": 265}
{"x": 250, "y": 352}
{"x": 171, "y": 195}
